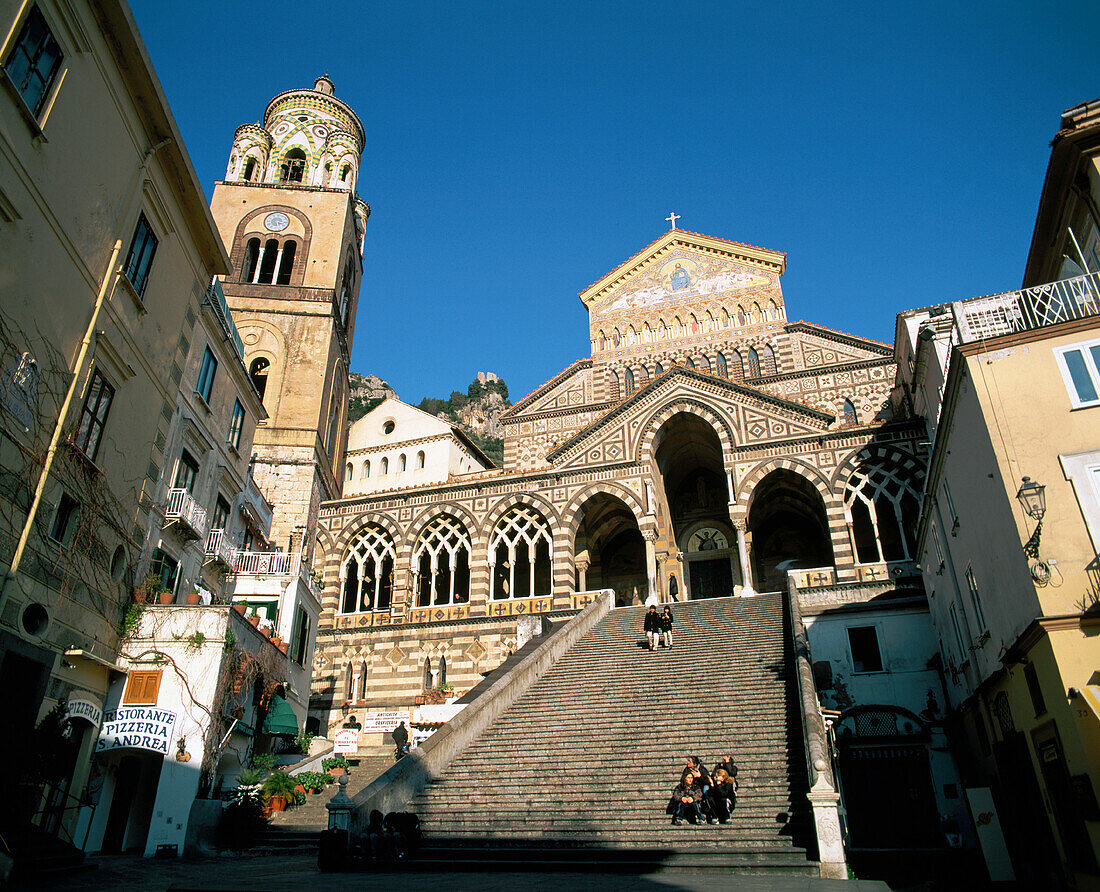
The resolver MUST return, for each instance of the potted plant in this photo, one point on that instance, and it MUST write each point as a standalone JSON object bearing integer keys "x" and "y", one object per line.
{"x": 279, "y": 789}
{"x": 254, "y": 617}
{"x": 193, "y": 598}
{"x": 335, "y": 766}
{"x": 267, "y": 627}
{"x": 240, "y": 608}
{"x": 166, "y": 598}
{"x": 146, "y": 589}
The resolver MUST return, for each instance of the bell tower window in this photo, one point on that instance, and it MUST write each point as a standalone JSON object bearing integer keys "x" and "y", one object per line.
{"x": 285, "y": 265}
{"x": 249, "y": 169}
{"x": 251, "y": 258}
{"x": 257, "y": 372}
{"x": 293, "y": 169}
{"x": 266, "y": 272}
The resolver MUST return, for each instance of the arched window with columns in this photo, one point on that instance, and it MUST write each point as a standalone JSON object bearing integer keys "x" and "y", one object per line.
{"x": 720, "y": 365}
{"x": 441, "y": 563}
{"x": 520, "y": 551}
{"x": 882, "y": 510}
{"x": 628, "y": 382}
{"x": 737, "y": 366}
{"x": 366, "y": 574}
{"x": 850, "y": 416}
{"x": 768, "y": 362}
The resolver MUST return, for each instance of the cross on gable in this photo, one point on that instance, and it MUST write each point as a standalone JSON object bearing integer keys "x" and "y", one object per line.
{"x": 672, "y": 218}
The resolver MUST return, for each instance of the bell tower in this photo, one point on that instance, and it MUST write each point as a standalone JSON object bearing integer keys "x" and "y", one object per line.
{"x": 294, "y": 227}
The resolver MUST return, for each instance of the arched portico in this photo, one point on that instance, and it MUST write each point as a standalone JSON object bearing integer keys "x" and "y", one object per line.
{"x": 687, "y": 457}
{"x": 790, "y": 528}
{"x": 609, "y": 550}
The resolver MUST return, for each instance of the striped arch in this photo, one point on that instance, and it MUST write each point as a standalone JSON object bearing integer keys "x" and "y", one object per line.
{"x": 571, "y": 514}
{"x": 876, "y": 453}
{"x": 355, "y": 526}
{"x": 412, "y": 534}
{"x": 644, "y": 449}
{"x": 747, "y": 486}
{"x": 534, "y": 500}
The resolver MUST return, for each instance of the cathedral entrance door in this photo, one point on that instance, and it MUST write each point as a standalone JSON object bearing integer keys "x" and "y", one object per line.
{"x": 710, "y": 578}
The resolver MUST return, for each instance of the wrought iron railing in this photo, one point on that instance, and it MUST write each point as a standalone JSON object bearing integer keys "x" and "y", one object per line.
{"x": 219, "y": 548}
{"x": 215, "y": 299}
{"x": 980, "y": 318}
{"x": 182, "y": 507}
{"x": 266, "y": 563}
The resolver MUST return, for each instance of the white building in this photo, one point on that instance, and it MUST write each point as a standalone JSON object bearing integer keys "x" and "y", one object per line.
{"x": 396, "y": 445}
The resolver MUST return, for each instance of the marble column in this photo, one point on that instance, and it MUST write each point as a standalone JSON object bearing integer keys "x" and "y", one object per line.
{"x": 650, "y": 537}
{"x": 747, "y": 590}
{"x": 582, "y": 575}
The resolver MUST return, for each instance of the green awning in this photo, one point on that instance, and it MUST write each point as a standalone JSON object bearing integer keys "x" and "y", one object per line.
{"x": 280, "y": 718}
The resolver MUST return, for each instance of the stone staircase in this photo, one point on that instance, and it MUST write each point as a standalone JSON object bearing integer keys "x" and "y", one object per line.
{"x": 582, "y": 766}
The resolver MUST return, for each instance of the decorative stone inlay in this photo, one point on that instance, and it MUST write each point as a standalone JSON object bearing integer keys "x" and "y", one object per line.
{"x": 395, "y": 656}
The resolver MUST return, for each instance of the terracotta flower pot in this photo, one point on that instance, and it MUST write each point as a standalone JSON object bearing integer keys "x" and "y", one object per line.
{"x": 336, "y": 772}
{"x": 255, "y": 620}
{"x": 193, "y": 598}
{"x": 240, "y": 608}
{"x": 300, "y": 788}
{"x": 283, "y": 646}
{"x": 278, "y": 803}
{"x": 167, "y": 597}
{"x": 266, "y": 632}
{"x": 140, "y": 596}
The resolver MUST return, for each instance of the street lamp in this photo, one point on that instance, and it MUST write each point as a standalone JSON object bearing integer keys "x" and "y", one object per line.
{"x": 1033, "y": 497}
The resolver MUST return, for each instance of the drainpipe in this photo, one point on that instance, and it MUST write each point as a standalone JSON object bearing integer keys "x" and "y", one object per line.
{"x": 104, "y": 295}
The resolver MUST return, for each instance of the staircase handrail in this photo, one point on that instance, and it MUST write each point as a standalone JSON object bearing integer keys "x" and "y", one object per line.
{"x": 818, "y": 763}
{"x": 394, "y": 788}
{"x": 823, "y": 795}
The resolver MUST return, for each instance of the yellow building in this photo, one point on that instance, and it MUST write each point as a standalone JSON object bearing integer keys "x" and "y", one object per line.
{"x": 107, "y": 249}
{"x": 1010, "y": 527}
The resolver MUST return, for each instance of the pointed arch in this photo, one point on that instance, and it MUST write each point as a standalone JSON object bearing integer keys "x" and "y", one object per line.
{"x": 753, "y": 361}
{"x": 721, "y": 368}
{"x": 850, "y": 415}
{"x": 441, "y": 562}
{"x": 768, "y": 363}
{"x": 520, "y": 555}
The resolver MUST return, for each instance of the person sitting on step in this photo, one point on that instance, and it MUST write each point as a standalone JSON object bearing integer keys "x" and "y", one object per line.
{"x": 721, "y": 796}
{"x": 666, "y": 627}
{"x": 652, "y": 626}
{"x": 699, "y": 771}
{"x": 727, "y": 764}
{"x": 687, "y": 797}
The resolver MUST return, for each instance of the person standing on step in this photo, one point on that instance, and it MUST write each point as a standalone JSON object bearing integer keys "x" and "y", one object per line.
{"x": 666, "y": 627}
{"x": 400, "y": 741}
{"x": 652, "y": 626}
{"x": 687, "y": 795}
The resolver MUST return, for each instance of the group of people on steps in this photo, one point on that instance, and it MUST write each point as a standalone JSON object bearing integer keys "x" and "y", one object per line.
{"x": 658, "y": 627}
{"x": 702, "y": 795}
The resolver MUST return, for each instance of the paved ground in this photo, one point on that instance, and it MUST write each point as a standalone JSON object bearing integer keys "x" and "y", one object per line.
{"x": 295, "y": 873}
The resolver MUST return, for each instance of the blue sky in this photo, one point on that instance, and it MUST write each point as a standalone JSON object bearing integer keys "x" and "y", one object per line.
{"x": 516, "y": 152}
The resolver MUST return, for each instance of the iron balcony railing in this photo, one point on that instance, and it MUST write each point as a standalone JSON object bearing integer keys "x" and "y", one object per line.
{"x": 266, "y": 563}
{"x": 980, "y": 318}
{"x": 219, "y": 549}
{"x": 190, "y": 515}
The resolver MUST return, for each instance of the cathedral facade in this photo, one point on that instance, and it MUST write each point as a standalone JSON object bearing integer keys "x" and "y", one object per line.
{"x": 704, "y": 448}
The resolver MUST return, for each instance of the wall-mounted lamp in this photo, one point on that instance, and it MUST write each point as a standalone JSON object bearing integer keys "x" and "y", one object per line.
{"x": 1033, "y": 497}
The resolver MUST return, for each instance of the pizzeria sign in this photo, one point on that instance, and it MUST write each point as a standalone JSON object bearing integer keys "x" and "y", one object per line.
{"x": 136, "y": 727}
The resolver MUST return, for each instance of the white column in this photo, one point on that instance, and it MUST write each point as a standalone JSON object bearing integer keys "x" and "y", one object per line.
{"x": 278, "y": 265}
{"x": 582, "y": 575}
{"x": 650, "y": 565}
{"x": 743, "y": 554}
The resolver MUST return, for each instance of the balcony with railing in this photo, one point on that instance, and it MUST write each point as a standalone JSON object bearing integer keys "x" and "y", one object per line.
{"x": 219, "y": 550}
{"x": 980, "y": 318}
{"x": 182, "y": 510}
{"x": 266, "y": 563}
